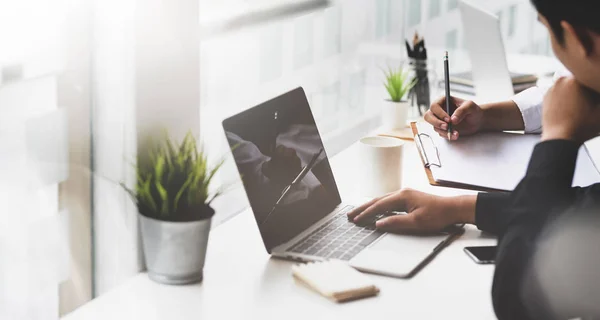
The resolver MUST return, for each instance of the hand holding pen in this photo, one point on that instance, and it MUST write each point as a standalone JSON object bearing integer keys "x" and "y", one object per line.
{"x": 451, "y": 116}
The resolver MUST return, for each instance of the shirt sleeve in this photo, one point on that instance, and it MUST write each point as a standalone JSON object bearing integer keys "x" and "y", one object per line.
{"x": 530, "y": 102}
{"x": 530, "y": 105}
{"x": 490, "y": 211}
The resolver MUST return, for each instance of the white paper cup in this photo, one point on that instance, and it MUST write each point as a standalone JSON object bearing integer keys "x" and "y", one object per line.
{"x": 380, "y": 165}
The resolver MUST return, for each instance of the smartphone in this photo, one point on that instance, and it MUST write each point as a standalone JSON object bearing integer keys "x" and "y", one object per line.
{"x": 482, "y": 255}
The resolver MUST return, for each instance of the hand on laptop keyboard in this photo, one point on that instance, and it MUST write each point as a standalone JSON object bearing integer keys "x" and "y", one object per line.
{"x": 337, "y": 239}
{"x": 369, "y": 223}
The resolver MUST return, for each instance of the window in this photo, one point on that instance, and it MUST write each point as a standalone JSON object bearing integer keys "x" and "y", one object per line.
{"x": 314, "y": 50}
{"x": 271, "y": 54}
{"x": 512, "y": 20}
{"x": 435, "y": 8}
{"x": 382, "y": 18}
{"x": 332, "y": 38}
{"x": 414, "y": 12}
{"x": 303, "y": 42}
{"x": 44, "y": 159}
{"x": 452, "y": 4}
{"x": 451, "y": 39}
{"x": 500, "y": 16}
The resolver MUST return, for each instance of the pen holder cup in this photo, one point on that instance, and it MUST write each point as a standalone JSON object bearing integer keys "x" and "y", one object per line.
{"x": 419, "y": 96}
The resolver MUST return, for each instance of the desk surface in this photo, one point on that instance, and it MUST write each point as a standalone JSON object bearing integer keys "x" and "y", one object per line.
{"x": 242, "y": 282}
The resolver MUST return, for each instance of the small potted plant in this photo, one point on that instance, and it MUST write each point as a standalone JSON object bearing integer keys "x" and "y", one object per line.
{"x": 394, "y": 111}
{"x": 173, "y": 200}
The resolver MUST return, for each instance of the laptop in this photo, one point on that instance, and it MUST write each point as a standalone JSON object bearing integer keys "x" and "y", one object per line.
{"x": 483, "y": 39}
{"x": 295, "y": 200}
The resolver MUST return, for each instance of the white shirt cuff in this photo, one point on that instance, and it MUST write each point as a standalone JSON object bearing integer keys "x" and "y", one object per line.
{"x": 530, "y": 104}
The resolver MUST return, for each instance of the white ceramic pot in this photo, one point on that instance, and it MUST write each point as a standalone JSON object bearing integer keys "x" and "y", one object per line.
{"x": 394, "y": 115}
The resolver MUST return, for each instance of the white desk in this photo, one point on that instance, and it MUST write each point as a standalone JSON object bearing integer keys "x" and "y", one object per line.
{"x": 242, "y": 282}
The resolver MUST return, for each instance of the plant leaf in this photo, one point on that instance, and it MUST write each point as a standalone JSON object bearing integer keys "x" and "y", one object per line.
{"x": 163, "y": 197}
{"x": 145, "y": 195}
{"x": 181, "y": 191}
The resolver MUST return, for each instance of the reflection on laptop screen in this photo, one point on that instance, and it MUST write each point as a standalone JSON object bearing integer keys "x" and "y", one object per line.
{"x": 281, "y": 160}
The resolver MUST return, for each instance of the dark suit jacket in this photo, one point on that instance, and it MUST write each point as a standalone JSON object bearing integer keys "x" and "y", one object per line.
{"x": 518, "y": 218}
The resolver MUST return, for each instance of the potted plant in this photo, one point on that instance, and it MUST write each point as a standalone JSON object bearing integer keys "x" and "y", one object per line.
{"x": 394, "y": 111}
{"x": 173, "y": 200}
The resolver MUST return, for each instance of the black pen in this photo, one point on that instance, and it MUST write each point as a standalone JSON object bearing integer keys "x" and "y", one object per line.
{"x": 447, "y": 76}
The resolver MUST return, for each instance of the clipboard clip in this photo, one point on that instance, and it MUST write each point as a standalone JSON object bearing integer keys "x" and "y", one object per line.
{"x": 422, "y": 149}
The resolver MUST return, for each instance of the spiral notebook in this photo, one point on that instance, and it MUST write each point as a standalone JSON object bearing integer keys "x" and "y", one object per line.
{"x": 491, "y": 161}
{"x": 335, "y": 280}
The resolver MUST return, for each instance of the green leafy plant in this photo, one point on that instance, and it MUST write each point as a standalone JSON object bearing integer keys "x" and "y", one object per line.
{"x": 398, "y": 83}
{"x": 173, "y": 181}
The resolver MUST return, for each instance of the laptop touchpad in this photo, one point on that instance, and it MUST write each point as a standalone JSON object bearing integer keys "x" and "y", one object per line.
{"x": 396, "y": 255}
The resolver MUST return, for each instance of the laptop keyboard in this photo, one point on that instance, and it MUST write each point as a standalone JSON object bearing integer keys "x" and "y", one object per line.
{"x": 338, "y": 238}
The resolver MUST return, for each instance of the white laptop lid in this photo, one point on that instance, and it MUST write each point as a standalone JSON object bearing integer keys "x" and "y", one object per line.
{"x": 486, "y": 50}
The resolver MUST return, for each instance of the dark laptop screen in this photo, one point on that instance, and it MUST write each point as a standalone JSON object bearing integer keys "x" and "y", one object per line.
{"x": 282, "y": 162}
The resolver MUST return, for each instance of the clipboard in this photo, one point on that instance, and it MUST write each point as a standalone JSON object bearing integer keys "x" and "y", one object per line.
{"x": 492, "y": 161}
{"x": 422, "y": 140}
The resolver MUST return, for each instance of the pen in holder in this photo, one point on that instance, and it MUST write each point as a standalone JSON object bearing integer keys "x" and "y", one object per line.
{"x": 419, "y": 95}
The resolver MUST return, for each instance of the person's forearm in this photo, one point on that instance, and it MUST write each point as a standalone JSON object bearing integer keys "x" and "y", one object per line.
{"x": 485, "y": 210}
{"x": 462, "y": 208}
{"x": 504, "y": 115}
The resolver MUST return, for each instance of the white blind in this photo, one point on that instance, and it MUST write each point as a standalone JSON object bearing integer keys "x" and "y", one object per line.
{"x": 34, "y": 235}
{"x": 33, "y": 160}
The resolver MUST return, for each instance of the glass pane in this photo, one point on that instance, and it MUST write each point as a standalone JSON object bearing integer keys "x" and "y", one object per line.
{"x": 512, "y": 20}
{"x": 435, "y": 7}
{"x": 414, "y": 12}
{"x": 332, "y": 30}
{"x": 271, "y": 54}
{"x": 303, "y": 42}
{"x": 451, "y": 39}
{"x": 500, "y": 15}
{"x": 382, "y": 18}
{"x": 452, "y": 4}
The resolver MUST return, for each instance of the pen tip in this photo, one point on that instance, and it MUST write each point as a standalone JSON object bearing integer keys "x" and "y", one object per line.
{"x": 446, "y": 54}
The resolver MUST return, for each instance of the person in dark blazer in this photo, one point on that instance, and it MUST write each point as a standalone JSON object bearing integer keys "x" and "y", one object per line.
{"x": 570, "y": 115}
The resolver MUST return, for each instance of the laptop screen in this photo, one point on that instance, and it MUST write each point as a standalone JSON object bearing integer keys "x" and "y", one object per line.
{"x": 283, "y": 165}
